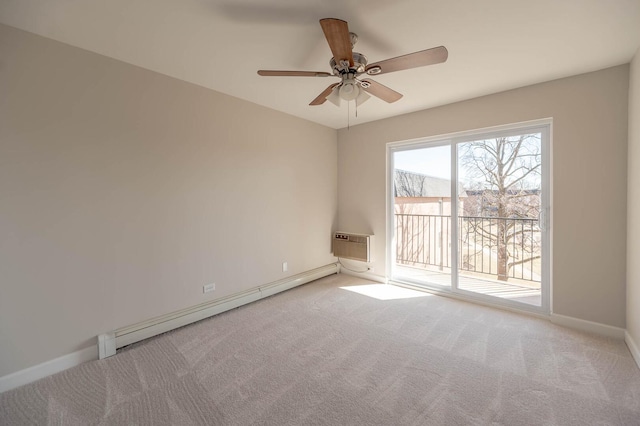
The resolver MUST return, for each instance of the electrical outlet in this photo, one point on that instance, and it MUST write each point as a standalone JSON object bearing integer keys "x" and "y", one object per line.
{"x": 209, "y": 288}
{"x": 285, "y": 267}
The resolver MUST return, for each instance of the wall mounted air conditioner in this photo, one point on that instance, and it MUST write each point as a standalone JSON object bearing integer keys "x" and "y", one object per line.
{"x": 352, "y": 246}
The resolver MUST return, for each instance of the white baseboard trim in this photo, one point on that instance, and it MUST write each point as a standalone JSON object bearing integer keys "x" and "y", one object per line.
{"x": 162, "y": 324}
{"x": 143, "y": 330}
{"x": 47, "y": 368}
{"x": 589, "y": 326}
{"x": 365, "y": 276}
{"x": 633, "y": 347}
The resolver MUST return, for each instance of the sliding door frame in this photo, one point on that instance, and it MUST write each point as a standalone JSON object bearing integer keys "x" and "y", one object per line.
{"x": 544, "y": 127}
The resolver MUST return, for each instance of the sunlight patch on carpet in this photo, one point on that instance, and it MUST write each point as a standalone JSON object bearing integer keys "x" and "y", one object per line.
{"x": 385, "y": 291}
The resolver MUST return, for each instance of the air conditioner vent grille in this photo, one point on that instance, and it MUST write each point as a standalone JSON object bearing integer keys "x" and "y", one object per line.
{"x": 352, "y": 246}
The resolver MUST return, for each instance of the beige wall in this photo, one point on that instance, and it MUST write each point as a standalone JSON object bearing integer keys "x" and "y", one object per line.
{"x": 633, "y": 201}
{"x": 589, "y": 179}
{"x": 123, "y": 192}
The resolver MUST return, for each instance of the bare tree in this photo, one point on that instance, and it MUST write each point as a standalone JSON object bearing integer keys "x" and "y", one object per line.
{"x": 504, "y": 175}
{"x": 409, "y": 184}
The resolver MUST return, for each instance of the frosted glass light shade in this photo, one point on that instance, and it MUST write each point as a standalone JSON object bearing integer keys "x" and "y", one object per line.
{"x": 349, "y": 91}
{"x": 334, "y": 96}
{"x": 362, "y": 98}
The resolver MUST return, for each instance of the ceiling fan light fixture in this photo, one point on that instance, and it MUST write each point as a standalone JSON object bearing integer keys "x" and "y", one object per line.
{"x": 349, "y": 91}
{"x": 334, "y": 96}
{"x": 362, "y": 98}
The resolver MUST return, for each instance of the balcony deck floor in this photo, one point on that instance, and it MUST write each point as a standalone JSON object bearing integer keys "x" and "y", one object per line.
{"x": 528, "y": 294}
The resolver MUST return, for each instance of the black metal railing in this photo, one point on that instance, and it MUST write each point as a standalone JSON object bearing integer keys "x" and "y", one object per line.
{"x": 504, "y": 247}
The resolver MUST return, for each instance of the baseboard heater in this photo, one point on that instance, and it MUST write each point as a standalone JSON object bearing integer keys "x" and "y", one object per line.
{"x": 108, "y": 343}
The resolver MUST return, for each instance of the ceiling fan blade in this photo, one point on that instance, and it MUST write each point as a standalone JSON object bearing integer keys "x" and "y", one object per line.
{"x": 412, "y": 60}
{"x": 380, "y": 90}
{"x": 273, "y": 73}
{"x": 322, "y": 97}
{"x": 336, "y": 31}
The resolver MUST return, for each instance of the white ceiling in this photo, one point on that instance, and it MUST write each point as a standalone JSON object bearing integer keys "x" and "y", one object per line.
{"x": 494, "y": 45}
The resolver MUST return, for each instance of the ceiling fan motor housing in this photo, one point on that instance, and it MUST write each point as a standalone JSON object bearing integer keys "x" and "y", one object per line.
{"x": 359, "y": 64}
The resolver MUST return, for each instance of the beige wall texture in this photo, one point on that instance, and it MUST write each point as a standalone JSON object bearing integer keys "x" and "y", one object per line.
{"x": 589, "y": 179}
{"x": 123, "y": 192}
{"x": 633, "y": 205}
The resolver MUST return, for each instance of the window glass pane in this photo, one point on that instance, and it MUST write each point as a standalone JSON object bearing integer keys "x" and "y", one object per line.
{"x": 499, "y": 244}
{"x": 422, "y": 215}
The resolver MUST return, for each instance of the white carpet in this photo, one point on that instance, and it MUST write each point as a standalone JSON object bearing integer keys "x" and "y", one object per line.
{"x": 367, "y": 355}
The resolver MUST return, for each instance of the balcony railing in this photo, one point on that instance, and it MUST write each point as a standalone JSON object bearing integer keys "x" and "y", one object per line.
{"x": 502, "y": 247}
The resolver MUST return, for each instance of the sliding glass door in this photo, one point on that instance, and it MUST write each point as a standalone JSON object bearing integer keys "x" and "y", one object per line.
{"x": 422, "y": 214}
{"x": 468, "y": 214}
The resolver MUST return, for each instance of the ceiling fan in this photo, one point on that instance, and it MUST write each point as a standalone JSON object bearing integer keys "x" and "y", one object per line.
{"x": 349, "y": 66}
